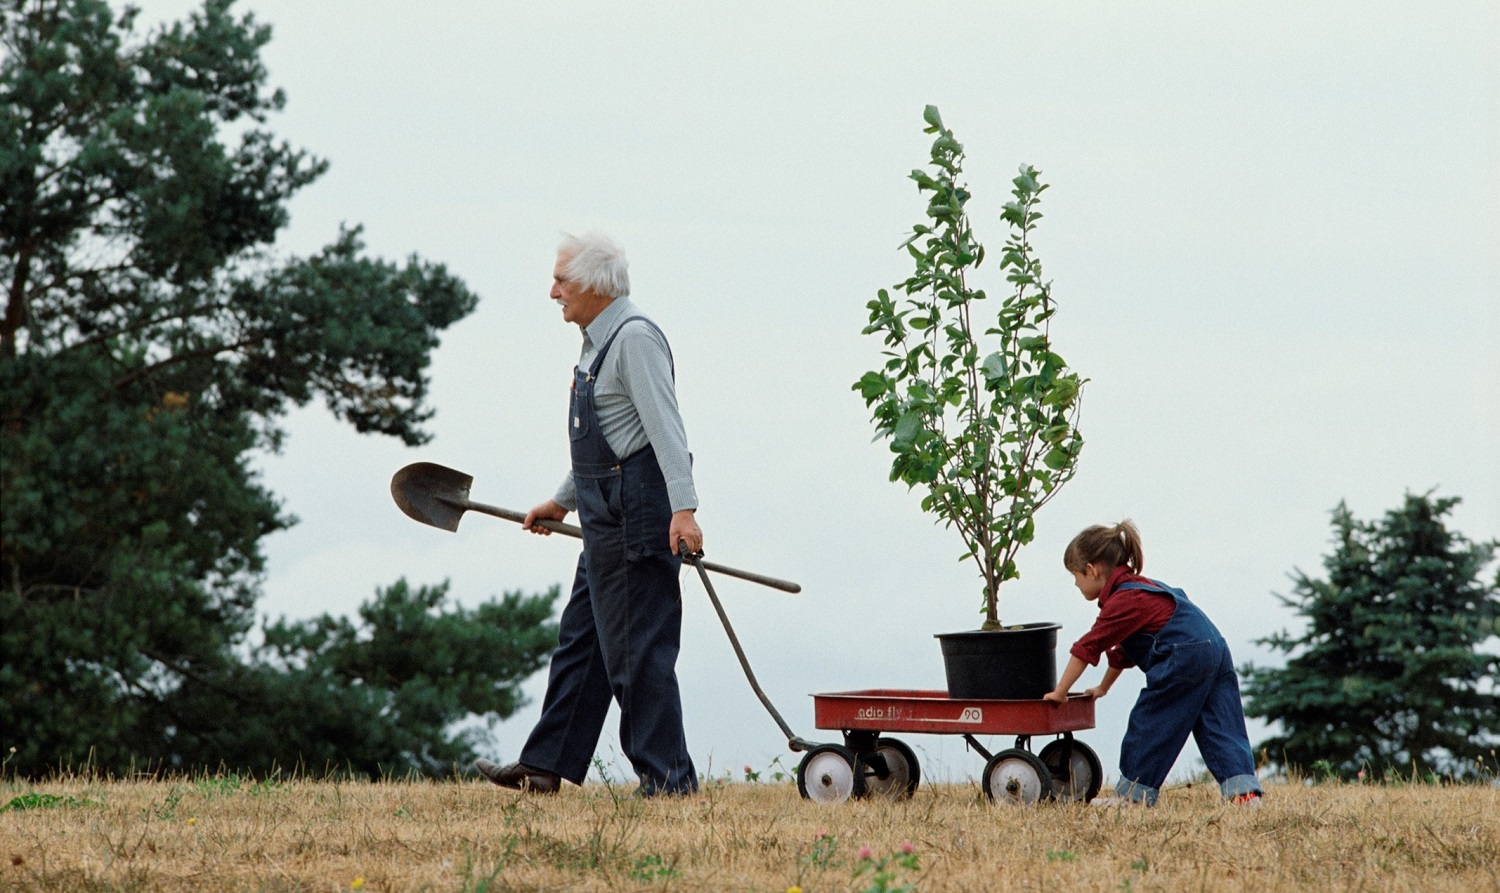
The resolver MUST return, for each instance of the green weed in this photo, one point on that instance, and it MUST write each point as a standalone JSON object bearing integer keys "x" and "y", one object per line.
{"x": 34, "y": 800}
{"x": 652, "y": 867}
{"x": 220, "y": 786}
{"x": 882, "y": 875}
{"x": 824, "y": 852}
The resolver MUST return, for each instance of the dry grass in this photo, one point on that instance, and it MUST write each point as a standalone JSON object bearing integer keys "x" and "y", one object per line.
{"x": 222, "y": 833}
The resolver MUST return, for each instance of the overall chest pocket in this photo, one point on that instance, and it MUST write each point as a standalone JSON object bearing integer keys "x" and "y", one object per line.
{"x": 579, "y": 422}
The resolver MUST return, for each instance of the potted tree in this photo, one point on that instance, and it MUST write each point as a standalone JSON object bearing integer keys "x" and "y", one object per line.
{"x": 978, "y": 408}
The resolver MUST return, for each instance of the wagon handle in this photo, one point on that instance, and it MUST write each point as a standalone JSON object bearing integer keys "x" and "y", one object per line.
{"x": 795, "y": 742}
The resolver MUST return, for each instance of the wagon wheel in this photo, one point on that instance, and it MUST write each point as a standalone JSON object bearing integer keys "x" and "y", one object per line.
{"x": 826, "y": 775}
{"x": 1016, "y": 777}
{"x": 890, "y": 771}
{"x": 1080, "y": 779}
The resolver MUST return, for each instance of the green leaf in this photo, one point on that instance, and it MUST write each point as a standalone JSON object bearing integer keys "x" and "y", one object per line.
{"x": 1062, "y": 392}
{"x": 1057, "y": 459}
{"x": 907, "y": 429}
{"x": 1054, "y": 434}
{"x": 872, "y": 385}
{"x": 994, "y": 367}
{"x": 931, "y": 116}
{"x": 924, "y": 180}
{"x": 946, "y": 143}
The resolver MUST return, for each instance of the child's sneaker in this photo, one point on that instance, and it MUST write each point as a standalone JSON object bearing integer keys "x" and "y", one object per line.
{"x": 1116, "y": 802}
{"x": 1249, "y": 800}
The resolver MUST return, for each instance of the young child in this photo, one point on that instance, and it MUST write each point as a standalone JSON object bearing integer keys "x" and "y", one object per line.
{"x": 1191, "y": 686}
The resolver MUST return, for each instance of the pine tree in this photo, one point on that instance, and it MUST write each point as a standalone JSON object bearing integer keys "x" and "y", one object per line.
{"x": 150, "y": 343}
{"x": 1391, "y": 674}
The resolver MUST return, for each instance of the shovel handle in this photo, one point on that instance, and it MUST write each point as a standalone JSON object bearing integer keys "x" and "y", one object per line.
{"x": 573, "y": 531}
{"x": 520, "y": 518}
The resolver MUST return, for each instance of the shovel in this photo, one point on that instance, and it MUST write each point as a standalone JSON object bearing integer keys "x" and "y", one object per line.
{"x": 436, "y": 495}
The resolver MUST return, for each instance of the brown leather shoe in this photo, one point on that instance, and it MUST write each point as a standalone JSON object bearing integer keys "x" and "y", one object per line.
{"x": 519, "y": 777}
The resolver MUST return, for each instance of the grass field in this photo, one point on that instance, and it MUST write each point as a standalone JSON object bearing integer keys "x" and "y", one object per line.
{"x": 228, "y": 833}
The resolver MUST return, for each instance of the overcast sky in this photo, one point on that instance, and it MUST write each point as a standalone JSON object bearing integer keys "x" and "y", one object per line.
{"x": 1273, "y": 232}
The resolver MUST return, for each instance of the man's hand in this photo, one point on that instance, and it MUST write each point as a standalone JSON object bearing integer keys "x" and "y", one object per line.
{"x": 685, "y": 528}
{"x": 547, "y": 511}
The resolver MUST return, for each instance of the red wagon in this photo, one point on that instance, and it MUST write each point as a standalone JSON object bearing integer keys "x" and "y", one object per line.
{"x": 869, "y": 764}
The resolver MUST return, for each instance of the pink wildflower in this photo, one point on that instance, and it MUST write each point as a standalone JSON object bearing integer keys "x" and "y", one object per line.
{"x": 865, "y": 852}
{"x": 906, "y": 847}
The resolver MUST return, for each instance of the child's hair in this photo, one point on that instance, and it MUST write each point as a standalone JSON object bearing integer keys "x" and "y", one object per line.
{"x": 1108, "y": 546}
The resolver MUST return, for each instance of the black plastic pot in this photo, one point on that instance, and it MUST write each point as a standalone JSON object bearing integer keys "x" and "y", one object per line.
{"x": 1019, "y": 663}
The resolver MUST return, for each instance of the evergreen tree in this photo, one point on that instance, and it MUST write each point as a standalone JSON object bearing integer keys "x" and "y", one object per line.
{"x": 377, "y": 697}
{"x": 150, "y": 344}
{"x": 1390, "y": 674}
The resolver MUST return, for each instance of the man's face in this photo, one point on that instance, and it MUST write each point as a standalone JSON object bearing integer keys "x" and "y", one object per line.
{"x": 578, "y": 306}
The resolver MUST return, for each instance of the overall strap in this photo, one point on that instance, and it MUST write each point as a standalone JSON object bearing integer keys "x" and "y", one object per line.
{"x": 599, "y": 358}
{"x": 1152, "y": 586}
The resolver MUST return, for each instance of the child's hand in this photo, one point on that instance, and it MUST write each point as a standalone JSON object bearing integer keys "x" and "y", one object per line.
{"x": 1056, "y": 697}
{"x": 1096, "y": 692}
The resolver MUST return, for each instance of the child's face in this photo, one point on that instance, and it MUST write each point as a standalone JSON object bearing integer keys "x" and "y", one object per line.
{"x": 1090, "y": 581}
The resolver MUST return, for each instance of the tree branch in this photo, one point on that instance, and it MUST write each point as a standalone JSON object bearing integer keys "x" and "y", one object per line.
{"x": 202, "y": 310}
{"x": 201, "y": 353}
{"x": 15, "y": 305}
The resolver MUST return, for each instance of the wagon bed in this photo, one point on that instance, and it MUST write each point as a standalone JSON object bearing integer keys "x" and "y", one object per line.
{"x": 869, "y": 764}
{"x": 933, "y": 712}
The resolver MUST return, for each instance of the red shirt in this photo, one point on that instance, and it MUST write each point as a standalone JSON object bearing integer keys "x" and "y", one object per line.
{"x": 1122, "y": 615}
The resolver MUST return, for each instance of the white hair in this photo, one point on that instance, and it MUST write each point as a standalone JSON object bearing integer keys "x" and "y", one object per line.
{"x": 596, "y": 262}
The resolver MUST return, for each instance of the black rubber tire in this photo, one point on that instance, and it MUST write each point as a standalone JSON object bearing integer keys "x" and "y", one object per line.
{"x": 828, "y": 774}
{"x": 1016, "y": 777}
{"x": 1085, "y": 776}
{"x": 891, "y": 771}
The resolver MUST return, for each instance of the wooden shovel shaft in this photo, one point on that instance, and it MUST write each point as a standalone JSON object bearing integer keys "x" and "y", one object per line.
{"x": 571, "y": 530}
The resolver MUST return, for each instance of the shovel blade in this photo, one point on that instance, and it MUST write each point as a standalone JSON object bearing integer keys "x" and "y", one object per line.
{"x": 432, "y": 494}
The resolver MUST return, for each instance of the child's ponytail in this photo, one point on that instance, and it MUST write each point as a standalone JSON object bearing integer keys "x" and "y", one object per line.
{"x": 1107, "y": 546}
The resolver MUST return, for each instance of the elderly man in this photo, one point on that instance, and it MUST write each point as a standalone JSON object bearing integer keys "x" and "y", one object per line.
{"x": 632, "y": 485}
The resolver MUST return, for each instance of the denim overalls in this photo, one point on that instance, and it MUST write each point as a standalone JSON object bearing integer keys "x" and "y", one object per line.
{"x": 1191, "y": 688}
{"x": 621, "y": 629}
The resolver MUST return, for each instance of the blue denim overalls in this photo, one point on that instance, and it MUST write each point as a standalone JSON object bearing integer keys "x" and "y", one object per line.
{"x": 1191, "y": 688}
{"x": 621, "y": 629}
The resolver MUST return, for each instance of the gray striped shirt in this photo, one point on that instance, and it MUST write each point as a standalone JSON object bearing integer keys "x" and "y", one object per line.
{"x": 636, "y": 401}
